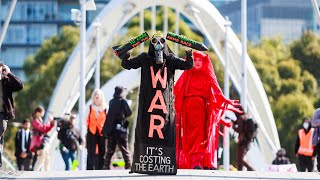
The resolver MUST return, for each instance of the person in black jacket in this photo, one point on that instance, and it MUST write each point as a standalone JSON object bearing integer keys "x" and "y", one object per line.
{"x": 116, "y": 127}
{"x": 8, "y": 84}
{"x": 244, "y": 140}
{"x": 70, "y": 140}
{"x": 22, "y": 144}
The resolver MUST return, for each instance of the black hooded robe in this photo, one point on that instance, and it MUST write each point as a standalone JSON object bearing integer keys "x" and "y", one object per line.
{"x": 154, "y": 148}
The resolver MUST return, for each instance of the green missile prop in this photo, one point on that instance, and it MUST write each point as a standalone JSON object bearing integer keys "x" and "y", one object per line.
{"x": 183, "y": 40}
{"x": 121, "y": 50}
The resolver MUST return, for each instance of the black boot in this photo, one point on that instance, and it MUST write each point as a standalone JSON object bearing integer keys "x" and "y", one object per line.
{"x": 197, "y": 167}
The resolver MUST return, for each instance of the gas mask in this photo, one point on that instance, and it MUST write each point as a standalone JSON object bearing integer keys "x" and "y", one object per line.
{"x": 306, "y": 125}
{"x": 158, "y": 43}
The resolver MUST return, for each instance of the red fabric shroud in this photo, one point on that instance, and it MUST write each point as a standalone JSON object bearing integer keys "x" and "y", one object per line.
{"x": 199, "y": 105}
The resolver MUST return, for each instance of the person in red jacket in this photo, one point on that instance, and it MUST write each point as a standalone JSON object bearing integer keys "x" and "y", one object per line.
{"x": 96, "y": 116}
{"x": 40, "y": 138}
{"x": 199, "y": 106}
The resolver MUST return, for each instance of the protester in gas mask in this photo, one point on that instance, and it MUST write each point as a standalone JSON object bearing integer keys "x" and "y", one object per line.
{"x": 281, "y": 158}
{"x": 304, "y": 149}
{"x": 155, "y": 129}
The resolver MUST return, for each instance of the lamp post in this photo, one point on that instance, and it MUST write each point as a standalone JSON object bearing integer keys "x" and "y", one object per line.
{"x": 80, "y": 17}
{"x": 226, "y": 138}
{"x": 97, "y": 24}
{"x": 243, "y": 98}
{"x": 7, "y": 21}
{"x": 176, "y": 47}
{"x": 153, "y": 19}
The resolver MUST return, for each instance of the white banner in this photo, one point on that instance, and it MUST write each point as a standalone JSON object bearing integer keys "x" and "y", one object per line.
{"x": 282, "y": 168}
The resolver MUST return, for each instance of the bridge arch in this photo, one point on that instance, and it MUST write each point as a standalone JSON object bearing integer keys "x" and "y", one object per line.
{"x": 210, "y": 22}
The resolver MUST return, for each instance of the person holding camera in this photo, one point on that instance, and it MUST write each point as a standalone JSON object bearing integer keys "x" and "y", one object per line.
{"x": 70, "y": 139}
{"x": 9, "y": 83}
{"x": 40, "y": 138}
{"x": 116, "y": 127}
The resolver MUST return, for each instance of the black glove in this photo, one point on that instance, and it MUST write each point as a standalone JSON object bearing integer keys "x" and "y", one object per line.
{"x": 126, "y": 124}
{"x": 124, "y": 56}
{"x": 189, "y": 53}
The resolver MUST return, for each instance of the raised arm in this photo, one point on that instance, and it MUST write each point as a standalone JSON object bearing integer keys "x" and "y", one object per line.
{"x": 179, "y": 63}
{"x": 44, "y": 128}
{"x": 14, "y": 82}
{"x": 133, "y": 63}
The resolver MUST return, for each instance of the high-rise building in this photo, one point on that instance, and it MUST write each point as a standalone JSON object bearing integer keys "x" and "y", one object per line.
{"x": 269, "y": 18}
{"x": 32, "y": 22}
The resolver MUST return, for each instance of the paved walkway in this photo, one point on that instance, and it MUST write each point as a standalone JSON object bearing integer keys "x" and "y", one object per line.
{"x": 182, "y": 175}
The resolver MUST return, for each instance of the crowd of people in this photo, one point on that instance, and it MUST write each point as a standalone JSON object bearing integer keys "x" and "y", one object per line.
{"x": 32, "y": 146}
{"x": 187, "y": 120}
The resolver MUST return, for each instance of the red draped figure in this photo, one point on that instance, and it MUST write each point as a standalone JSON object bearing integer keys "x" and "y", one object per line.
{"x": 199, "y": 106}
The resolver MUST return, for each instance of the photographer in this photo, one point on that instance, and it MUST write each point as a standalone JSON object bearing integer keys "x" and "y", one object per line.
{"x": 9, "y": 83}
{"x": 116, "y": 126}
{"x": 40, "y": 138}
{"x": 70, "y": 139}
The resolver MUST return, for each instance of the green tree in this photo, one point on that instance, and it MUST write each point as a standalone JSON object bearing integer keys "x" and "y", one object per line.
{"x": 289, "y": 112}
{"x": 43, "y": 70}
{"x": 291, "y": 89}
{"x": 307, "y": 51}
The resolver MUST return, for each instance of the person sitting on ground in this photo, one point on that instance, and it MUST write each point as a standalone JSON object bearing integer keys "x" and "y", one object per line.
{"x": 281, "y": 159}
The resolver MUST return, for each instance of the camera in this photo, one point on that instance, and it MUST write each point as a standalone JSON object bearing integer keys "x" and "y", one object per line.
{"x": 58, "y": 118}
{"x": 61, "y": 123}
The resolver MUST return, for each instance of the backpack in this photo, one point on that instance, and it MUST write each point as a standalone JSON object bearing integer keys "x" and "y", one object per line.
{"x": 250, "y": 128}
{"x": 68, "y": 139}
{"x": 72, "y": 142}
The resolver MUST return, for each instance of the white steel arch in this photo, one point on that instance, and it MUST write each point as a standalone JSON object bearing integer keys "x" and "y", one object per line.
{"x": 210, "y": 22}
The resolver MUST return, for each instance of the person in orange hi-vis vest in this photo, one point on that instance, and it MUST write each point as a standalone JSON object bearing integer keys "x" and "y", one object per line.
{"x": 96, "y": 115}
{"x": 304, "y": 149}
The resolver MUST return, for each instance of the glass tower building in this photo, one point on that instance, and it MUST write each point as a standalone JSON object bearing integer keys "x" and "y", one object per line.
{"x": 269, "y": 18}
{"x": 32, "y": 22}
